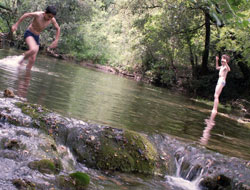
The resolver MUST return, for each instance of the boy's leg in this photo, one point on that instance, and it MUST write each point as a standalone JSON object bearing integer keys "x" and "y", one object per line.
{"x": 32, "y": 52}
{"x": 32, "y": 60}
{"x": 217, "y": 93}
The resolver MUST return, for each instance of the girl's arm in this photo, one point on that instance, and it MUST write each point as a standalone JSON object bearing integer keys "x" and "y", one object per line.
{"x": 217, "y": 64}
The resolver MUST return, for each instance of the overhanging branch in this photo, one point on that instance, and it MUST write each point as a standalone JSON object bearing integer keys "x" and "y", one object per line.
{"x": 6, "y": 8}
{"x": 192, "y": 30}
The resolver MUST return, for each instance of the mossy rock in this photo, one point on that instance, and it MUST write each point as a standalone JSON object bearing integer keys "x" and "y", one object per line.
{"x": 24, "y": 184}
{"x": 116, "y": 150}
{"x": 13, "y": 121}
{"x": 77, "y": 180}
{"x": 131, "y": 153}
{"x": 80, "y": 179}
{"x": 46, "y": 166}
{"x": 36, "y": 112}
{"x": 33, "y": 110}
{"x": 11, "y": 144}
{"x": 10, "y": 119}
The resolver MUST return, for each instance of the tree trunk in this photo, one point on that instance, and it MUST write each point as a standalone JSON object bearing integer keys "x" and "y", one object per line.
{"x": 204, "y": 66}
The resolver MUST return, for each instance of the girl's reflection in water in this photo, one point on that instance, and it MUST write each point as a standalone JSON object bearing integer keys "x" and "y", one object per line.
{"x": 24, "y": 76}
{"x": 210, "y": 124}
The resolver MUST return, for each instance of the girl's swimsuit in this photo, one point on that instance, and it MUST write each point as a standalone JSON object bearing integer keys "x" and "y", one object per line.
{"x": 222, "y": 81}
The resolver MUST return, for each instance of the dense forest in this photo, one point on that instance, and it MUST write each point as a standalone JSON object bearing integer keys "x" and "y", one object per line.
{"x": 172, "y": 43}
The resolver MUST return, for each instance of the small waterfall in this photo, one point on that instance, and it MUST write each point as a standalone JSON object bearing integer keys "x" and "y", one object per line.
{"x": 68, "y": 159}
{"x": 180, "y": 180}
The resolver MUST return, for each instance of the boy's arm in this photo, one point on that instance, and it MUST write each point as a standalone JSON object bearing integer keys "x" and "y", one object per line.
{"x": 58, "y": 31}
{"x": 25, "y": 15}
{"x": 217, "y": 64}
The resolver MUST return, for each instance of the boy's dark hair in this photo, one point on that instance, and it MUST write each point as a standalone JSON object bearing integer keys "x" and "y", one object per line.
{"x": 225, "y": 56}
{"x": 51, "y": 9}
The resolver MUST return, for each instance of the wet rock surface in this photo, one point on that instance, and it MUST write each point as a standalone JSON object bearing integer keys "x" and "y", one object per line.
{"x": 100, "y": 147}
{"x": 30, "y": 158}
{"x": 213, "y": 170}
{"x": 32, "y": 136}
{"x": 35, "y": 141}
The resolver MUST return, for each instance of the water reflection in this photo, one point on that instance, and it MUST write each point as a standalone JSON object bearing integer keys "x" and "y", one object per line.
{"x": 210, "y": 123}
{"x": 23, "y": 81}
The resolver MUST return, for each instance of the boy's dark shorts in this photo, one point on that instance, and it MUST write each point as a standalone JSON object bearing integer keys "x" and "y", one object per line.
{"x": 29, "y": 33}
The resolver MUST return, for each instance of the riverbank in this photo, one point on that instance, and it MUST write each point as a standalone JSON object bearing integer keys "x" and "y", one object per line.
{"x": 104, "y": 68}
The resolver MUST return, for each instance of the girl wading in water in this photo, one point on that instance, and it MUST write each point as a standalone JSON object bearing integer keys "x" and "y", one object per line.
{"x": 224, "y": 69}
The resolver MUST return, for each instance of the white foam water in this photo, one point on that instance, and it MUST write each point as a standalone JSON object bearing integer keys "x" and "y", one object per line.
{"x": 182, "y": 183}
{"x": 178, "y": 182}
{"x": 13, "y": 63}
{"x": 12, "y": 60}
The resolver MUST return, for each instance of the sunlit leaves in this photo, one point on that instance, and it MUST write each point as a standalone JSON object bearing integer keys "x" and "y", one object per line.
{"x": 224, "y": 11}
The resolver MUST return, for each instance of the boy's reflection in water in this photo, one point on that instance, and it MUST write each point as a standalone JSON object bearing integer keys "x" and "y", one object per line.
{"x": 24, "y": 76}
{"x": 210, "y": 124}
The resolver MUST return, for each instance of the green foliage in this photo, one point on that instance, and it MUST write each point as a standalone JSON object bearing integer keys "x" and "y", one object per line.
{"x": 235, "y": 40}
{"x": 150, "y": 37}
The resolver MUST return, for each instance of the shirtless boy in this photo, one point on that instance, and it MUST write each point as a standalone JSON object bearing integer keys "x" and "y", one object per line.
{"x": 224, "y": 69}
{"x": 40, "y": 21}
